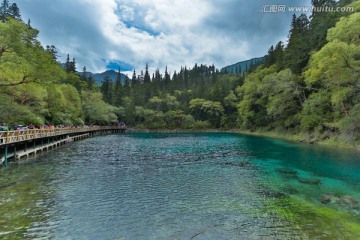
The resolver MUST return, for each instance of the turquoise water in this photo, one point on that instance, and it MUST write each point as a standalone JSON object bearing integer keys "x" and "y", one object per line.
{"x": 182, "y": 186}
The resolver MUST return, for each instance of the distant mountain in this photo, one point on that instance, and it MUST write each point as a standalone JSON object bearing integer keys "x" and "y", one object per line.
{"x": 243, "y": 66}
{"x": 99, "y": 77}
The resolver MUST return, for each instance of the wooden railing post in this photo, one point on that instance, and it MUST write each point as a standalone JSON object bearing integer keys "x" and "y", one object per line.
{"x": 6, "y": 137}
{"x": 6, "y": 157}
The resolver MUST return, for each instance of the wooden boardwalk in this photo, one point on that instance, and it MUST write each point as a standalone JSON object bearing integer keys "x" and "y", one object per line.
{"x": 8, "y": 137}
{"x": 23, "y": 143}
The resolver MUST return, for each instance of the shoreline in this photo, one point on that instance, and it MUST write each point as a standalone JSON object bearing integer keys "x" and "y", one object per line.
{"x": 300, "y": 138}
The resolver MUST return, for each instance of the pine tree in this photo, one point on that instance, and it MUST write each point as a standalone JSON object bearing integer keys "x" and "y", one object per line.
{"x": 167, "y": 80}
{"x": 278, "y": 54}
{"x": 127, "y": 87}
{"x": 134, "y": 80}
{"x": 156, "y": 82}
{"x": 118, "y": 90}
{"x": 91, "y": 83}
{"x": 52, "y": 50}
{"x": 7, "y": 10}
{"x": 147, "y": 84}
{"x": 106, "y": 89}
{"x": 298, "y": 50}
{"x": 83, "y": 75}
{"x": 67, "y": 65}
{"x": 14, "y": 11}
{"x": 73, "y": 66}
{"x": 147, "y": 75}
{"x": 270, "y": 57}
{"x": 320, "y": 23}
{"x": 4, "y": 10}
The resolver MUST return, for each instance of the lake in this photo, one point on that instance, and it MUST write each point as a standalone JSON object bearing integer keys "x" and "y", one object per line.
{"x": 182, "y": 186}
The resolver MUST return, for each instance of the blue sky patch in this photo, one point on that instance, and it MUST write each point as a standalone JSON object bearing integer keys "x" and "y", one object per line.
{"x": 114, "y": 65}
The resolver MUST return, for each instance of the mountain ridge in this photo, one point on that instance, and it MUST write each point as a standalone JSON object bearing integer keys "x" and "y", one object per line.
{"x": 99, "y": 77}
{"x": 243, "y": 66}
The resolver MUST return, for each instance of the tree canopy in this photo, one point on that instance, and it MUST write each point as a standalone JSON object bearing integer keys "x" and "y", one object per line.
{"x": 307, "y": 85}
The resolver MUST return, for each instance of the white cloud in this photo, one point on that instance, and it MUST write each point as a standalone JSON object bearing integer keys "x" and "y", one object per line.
{"x": 158, "y": 32}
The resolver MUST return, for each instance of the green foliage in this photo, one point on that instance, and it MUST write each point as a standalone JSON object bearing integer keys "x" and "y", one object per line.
{"x": 188, "y": 121}
{"x": 9, "y": 10}
{"x": 336, "y": 67}
{"x": 107, "y": 89}
{"x": 285, "y": 96}
{"x": 201, "y": 125}
{"x": 346, "y": 30}
{"x": 275, "y": 55}
{"x": 13, "y": 113}
{"x": 311, "y": 85}
{"x": 207, "y": 110}
{"x": 252, "y": 106}
{"x": 298, "y": 50}
{"x": 356, "y": 5}
{"x": 22, "y": 58}
{"x": 96, "y": 111}
{"x": 64, "y": 104}
{"x": 174, "y": 119}
{"x": 350, "y": 125}
{"x": 316, "y": 111}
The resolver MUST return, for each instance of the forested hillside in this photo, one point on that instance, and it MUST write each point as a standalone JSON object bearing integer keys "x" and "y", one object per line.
{"x": 312, "y": 85}
{"x": 34, "y": 88}
{"x": 309, "y": 85}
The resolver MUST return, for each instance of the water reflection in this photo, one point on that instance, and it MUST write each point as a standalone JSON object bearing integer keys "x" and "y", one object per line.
{"x": 181, "y": 186}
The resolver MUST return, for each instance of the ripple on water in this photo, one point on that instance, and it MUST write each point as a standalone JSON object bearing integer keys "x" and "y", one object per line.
{"x": 178, "y": 186}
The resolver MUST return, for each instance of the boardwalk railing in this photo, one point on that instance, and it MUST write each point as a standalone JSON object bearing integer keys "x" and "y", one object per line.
{"x": 7, "y": 137}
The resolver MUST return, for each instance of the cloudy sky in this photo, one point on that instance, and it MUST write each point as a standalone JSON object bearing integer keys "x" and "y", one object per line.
{"x": 105, "y": 34}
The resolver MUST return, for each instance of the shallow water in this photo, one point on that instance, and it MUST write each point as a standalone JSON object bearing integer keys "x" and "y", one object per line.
{"x": 182, "y": 186}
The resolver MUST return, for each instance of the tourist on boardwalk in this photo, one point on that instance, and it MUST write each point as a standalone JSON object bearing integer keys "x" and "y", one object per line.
{"x": 4, "y": 127}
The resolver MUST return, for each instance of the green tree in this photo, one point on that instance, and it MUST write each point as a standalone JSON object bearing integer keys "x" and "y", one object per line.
{"x": 320, "y": 23}
{"x": 4, "y": 10}
{"x": 285, "y": 95}
{"x": 166, "y": 81}
{"x": 336, "y": 66}
{"x": 297, "y": 52}
{"x": 317, "y": 111}
{"x": 350, "y": 125}
{"x": 90, "y": 83}
{"x": 170, "y": 103}
{"x": 67, "y": 65}
{"x": 107, "y": 89}
{"x": 155, "y": 103}
{"x": 14, "y": 11}
{"x": 252, "y": 105}
{"x": 84, "y": 74}
{"x": 64, "y": 105}
{"x": 346, "y": 30}
{"x": 15, "y": 113}
{"x": 96, "y": 111}
{"x": 9, "y": 10}
{"x": 118, "y": 90}
{"x": 52, "y": 50}
{"x": 22, "y": 58}
{"x": 147, "y": 84}
{"x": 207, "y": 110}
{"x": 134, "y": 80}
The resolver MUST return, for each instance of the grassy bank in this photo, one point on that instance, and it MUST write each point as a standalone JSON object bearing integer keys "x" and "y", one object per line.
{"x": 333, "y": 141}
{"x": 301, "y": 138}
